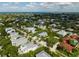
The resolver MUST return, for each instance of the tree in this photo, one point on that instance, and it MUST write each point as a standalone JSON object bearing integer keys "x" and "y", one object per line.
{"x": 10, "y": 51}
{"x": 4, "y": 42}
{"x": 51, "y": 40}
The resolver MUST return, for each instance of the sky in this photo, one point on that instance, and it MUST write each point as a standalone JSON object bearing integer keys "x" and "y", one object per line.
{"x": 39, "y": 7}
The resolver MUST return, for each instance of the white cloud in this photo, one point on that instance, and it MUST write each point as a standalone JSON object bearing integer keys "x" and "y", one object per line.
{"x": 6, "y": 4}
{"x": 13, "y": 7}
{"x": 44, "y": 6}
{"x": 68, "y": 3}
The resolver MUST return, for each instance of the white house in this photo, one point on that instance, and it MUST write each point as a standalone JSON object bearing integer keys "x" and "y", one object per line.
{"x": 43, "y": 43}
{"x": 43, "y": 34}
{"x": 62, "y": 32}
{"x": 42, "y": 54}
{"x": 52, "y": 20}
{"x": 30, "y": 29}
{"x": 14, "y": 34}
{"x": 55, "y": 30}
{"x": 41, "y": 21}
{"x": 27, "y": 47}
{"x": 9, "y": 30}
{"x": 18, "y": 40}
{"x": 1, "y": 24}
{"x": 70, "y": 29}
{"x": 25, "y": 20}
{"x": 54, "y": 25}
{"x": 42, "y": 27}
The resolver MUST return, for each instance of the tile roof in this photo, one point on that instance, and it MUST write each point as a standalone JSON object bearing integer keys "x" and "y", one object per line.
{"x": 66, "y": 43}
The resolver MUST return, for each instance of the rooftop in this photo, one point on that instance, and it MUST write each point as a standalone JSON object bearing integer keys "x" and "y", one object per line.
{"x": 16, "y": 39}
{"x": 43, "y": 34}
{"x": 42, "y": 54}
{"x": 62, "y": 32}
{"x": 70, "y": 42}
{"x": 73, "y": 42}
{"x": 27, "y": 47}
{"x": 30, "y": 29}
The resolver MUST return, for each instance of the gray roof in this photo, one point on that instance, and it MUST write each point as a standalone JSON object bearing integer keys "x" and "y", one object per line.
{"x": 28, "y": 46}
{"x": 24, "y": 48}
{"x": 43, "y": 54}
{"x": 43, "y": 34}
{"x": 18, "y": 40}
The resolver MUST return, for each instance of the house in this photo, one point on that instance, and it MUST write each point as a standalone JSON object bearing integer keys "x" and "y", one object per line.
{"x": 43, "y": 43}
{"x": 42, "y": 54}
{"x": 24, "y": 48}
{"x": 1, "y": 24}
{"x": 9, "y": 30}
{"x": 70, "y": 42}
{"x": 70, "y": 29}
{"x": 55, "y": 30}
{"x": 69, "y": 33}
{"x": 43, "y": 34}
{"x": 14, "y": 34}
{"x": 25, "y": 20}
{"x": 64, "y": 17}
{"x": 41, "y": 22}
{"x": 62, "y": 32}
{"x": 52, "y": 20}
{"x": 53, "y": 25}
{"x": 30, "y": 29}
{"x": 74, "y": 36}
{"x": 16, "y": 39}
{"x": 41, "y": 27}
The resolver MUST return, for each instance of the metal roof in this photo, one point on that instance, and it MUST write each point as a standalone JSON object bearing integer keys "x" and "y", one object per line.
{"x": 43, "y": 54}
